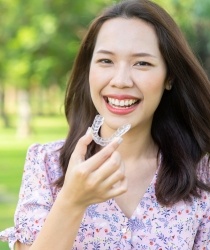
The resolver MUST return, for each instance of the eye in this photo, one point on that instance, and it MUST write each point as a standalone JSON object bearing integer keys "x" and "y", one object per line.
{"x": 142, "y": 63}
{"x": 105, "y": 61}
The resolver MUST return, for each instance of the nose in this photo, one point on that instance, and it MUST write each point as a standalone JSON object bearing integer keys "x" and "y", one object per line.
{"x": 121, "y": 77}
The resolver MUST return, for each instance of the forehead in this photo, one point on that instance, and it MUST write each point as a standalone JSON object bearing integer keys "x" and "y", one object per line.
{"x": 123, "y": 33}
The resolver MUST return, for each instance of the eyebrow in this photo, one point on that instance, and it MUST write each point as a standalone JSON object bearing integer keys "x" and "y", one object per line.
{"x": 141, "y": 54}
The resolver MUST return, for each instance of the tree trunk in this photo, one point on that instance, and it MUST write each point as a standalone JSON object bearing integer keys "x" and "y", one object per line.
{"x": 3, "y": 114}
{"x": 24, "y": 114}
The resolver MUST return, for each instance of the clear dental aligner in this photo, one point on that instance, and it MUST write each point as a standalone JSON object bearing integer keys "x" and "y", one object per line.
{"x": 98, "y": 121}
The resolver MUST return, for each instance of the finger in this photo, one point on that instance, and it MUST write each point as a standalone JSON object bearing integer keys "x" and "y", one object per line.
{"x": 120, "y": 188}
{"x": 98, "y": 159}
{"x": 81, "y": 147}
{"x": 109, "y": 167}
{"x": 117, "y": 176}
{"x": 114, "y": 179}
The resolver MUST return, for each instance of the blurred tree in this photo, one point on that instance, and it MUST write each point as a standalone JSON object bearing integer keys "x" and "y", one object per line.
{"x": 4, "y": 37}
{"x": 40, "y": 39}
{"x": 194, "y": 19}
{"x": 201, "y": 42}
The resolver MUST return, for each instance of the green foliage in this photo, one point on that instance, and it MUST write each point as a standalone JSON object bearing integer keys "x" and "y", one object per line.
{"x": 194, "y": 19}
{"x": 40, "y": 39}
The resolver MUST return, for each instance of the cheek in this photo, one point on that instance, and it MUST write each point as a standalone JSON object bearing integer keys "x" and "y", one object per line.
{"x": 97, "y": 79}
{"x": 153, "y": 90}
{"x": 94, "y": 75}
{"x": 94, "y": 83}
{"x": 92, "y": 79}
{"x": 158, "y": 79}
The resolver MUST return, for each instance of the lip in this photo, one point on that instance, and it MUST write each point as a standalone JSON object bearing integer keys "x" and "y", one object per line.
{"x": 119, "y": 110}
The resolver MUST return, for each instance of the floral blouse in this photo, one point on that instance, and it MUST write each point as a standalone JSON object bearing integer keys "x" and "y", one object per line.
{"x": 184, "y": 226}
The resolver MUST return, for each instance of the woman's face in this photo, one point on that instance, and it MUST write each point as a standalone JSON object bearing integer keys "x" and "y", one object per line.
{"x": 127, "y": 74}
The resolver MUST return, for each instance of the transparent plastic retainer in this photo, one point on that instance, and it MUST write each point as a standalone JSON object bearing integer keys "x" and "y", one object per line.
{"x": 98, "y": 121}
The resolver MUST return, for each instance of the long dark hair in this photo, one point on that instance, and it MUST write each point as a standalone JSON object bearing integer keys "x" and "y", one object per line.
{"x": 181, "y": 122}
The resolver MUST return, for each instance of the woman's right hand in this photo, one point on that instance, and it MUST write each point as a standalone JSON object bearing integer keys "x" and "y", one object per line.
{"x": 86, "y": 182}
{"x": 94, "y": 180}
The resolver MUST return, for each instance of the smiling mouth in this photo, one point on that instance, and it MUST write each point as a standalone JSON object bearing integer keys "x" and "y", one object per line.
{"x": 125, "y": 103}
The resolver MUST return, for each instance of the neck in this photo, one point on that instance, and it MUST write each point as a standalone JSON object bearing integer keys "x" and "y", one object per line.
{"x": 137, "y": 143}
{"x": 138, "y": 147}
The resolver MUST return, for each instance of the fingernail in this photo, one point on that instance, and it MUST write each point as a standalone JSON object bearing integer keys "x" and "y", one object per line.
{"x": 118, "y": 139}
{"x": 89, "y": 131}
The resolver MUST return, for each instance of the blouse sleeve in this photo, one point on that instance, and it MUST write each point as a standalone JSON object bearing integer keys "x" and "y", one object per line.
{"x": 202, "y": 240}
{"x": 35, "y": 199}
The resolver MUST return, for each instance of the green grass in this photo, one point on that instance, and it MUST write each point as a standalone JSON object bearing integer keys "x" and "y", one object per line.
{"x": 12, "y": 157}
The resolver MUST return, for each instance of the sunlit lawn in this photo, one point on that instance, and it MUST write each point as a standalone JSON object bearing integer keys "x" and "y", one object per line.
{"x": 12, "y": 157}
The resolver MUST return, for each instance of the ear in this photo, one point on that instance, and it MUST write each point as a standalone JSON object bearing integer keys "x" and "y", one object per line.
{"x": 169, "y": 84}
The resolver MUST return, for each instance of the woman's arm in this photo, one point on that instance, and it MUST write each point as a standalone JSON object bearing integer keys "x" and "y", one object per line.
{"x": 20, "y": 246}
{"x": 59, "y": 230}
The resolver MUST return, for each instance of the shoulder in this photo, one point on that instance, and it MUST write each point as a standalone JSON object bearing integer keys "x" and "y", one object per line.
{"x": 44, "y": 158}
{"x": 44, "y": 151}
{"x": 49, "y": 148}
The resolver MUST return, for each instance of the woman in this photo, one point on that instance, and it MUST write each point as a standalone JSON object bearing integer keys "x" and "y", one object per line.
{"x": 147, "y": 190}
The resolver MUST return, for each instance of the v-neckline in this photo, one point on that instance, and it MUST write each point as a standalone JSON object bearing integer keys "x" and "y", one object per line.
{"x": 143, "y": 197}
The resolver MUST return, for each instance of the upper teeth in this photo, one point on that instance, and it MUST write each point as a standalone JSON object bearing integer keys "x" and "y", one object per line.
{"x": 121, "y": 103}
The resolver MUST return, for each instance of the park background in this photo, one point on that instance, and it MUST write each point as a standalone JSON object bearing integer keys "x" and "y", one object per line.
{"x": 38, "y": 43}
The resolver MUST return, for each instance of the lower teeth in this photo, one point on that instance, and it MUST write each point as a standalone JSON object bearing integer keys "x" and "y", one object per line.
{"x": 115, "y": 106}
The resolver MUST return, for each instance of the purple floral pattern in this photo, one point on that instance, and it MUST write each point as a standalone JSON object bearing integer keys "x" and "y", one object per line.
{"x": 184, "y": 226}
